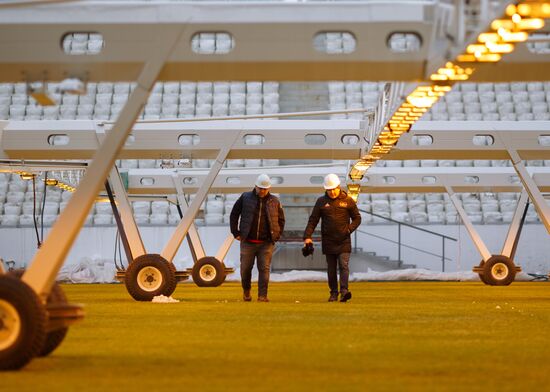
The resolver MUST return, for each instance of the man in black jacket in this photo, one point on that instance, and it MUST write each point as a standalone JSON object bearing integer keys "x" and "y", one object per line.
{"x": 337, "y": 209}
{"x": 262, "y": 222}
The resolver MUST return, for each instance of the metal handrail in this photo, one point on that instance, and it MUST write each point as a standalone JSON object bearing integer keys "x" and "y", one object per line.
{"x": 400, "y": 244}
{"x": 408, "y": 225}
{"x": 404, "y": 245}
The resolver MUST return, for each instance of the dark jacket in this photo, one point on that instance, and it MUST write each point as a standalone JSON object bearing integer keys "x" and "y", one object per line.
{"x": 246, "y": 206}
{"x": 336, "y": 226}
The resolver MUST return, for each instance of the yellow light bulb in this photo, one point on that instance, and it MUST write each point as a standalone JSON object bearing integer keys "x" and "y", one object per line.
{"x": 505, "y": 23}
{"x": 486, "y": 37}
{"x": 530, "y": 24}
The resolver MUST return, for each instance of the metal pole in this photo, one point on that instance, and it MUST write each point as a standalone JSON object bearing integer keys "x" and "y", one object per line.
{"x": 126, "y": 215}
{"x": 368, "y": 112}
{"x": 399, "y": 241}
{"x": 120, "y": 226}
{"x": 443, "y": 255}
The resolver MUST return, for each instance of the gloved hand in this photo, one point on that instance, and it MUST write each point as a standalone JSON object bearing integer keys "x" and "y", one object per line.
{"x": 308, "y": 249}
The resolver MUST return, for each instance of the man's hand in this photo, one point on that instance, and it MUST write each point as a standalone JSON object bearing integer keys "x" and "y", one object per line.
{"x": 308, "y": 241}
{"x": 238, "y": 238}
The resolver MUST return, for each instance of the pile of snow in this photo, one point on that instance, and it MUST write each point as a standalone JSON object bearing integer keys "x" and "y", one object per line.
{"x": 163, "y": 299}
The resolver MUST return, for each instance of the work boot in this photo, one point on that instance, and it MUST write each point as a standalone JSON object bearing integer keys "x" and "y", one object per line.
{"x": 246, "y": 296}
{"x": 345, "y": 296}
{"x": 333, "y": 298}
{"x": 263, "y": 298}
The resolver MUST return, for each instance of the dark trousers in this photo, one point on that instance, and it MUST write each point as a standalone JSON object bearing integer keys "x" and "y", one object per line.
{"x": 249, "y": 252}
{"x": 341, "y": 260}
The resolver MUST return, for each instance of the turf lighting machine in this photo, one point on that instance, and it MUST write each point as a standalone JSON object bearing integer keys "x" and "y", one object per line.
{"x": 150, "y": 274}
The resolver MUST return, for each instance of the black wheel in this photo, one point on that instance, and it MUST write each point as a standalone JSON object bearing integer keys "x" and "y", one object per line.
{"x": 150, "y": 275}
{"x": 208, "y": 272}
{"x": 480, "y": 274}
{"x": 53, "y": 338}
{"x": 22, "y": 323}
{"x": 499, "y": 270}
{"x": 482, "y": 278}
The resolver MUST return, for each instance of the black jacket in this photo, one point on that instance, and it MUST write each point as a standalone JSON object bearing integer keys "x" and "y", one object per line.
{"x": 336, "y": 226}
{"x": 246, "y": 205}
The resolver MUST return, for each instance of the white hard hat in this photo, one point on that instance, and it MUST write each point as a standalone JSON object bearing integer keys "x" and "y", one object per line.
{"x": 331, "y": 181}
{"x": 263, "y": 181}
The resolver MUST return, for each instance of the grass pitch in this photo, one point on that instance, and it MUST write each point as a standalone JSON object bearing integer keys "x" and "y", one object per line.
{"x": 390, "y": 336}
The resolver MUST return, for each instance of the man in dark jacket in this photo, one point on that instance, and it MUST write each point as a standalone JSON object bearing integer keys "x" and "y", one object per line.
{"x": 262, "y": 222}
{"x": 337, "y": 210}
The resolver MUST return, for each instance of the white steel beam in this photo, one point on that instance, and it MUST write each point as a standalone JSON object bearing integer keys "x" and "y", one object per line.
{"x": 285, "y": 139}
{"x": 474, "y": 235}
{"x": 512, "y": 237}
{"x": 224, "y": 247}
{"x": 531, "y": 187}
{"x": 126, "y": 214}
{"x": 470, "y": 140}
{"x": 194, "y": 238}
{"x": 50, "y": 257}
{"x": 308, "y": 179}
{"x": 272, "y": 40}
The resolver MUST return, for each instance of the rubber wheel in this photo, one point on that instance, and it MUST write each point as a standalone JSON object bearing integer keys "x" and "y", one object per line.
{"x": 480, "y": 274}
{"x": 23, "y": 321}
{"x": 482, "y": 278}
{"x": 208, "y": 272}
{"x": 499, "y": 270}
{"x": 150, "y": 275}
{"x": 53, "y": 338}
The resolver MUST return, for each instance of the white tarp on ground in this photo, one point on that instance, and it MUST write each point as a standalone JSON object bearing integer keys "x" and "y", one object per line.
{"x": 96, "y": 270}
{"x": 395, "y": 275}
{"x": 88, "y": 270}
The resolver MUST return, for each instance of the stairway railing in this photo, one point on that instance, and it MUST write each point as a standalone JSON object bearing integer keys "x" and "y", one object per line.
{"x": 399, "y": 242}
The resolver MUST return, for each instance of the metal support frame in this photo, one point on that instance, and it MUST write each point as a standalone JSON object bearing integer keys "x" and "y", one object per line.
{"x": 224, "y": 248}
{"x": 120, "y": 225}
{"x": 125, "y": 208}
{"x": 531, "y": 187}
{"x": 134, "y": 245}
{"x": 193, "y": 254}
{"x": 514, "y": 232}
{"x": 306, "y": 179}
{"x": 50, "y": 257}
{"x": 182, "y": 229}
{"x": 195, "y": 243}
{"x": 269, "y": 40}
{"x": 474, "y": 235}
{"x": 473, "y": 140}
{"x": 283, "y": 139}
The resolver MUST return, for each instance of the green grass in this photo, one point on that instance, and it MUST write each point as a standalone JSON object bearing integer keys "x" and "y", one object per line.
{"x": 391, "y": 336}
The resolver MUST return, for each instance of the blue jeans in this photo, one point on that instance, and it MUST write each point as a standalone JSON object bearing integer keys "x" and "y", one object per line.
{"x": 249, "y": 252}
{"x": 341, "y": 260}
